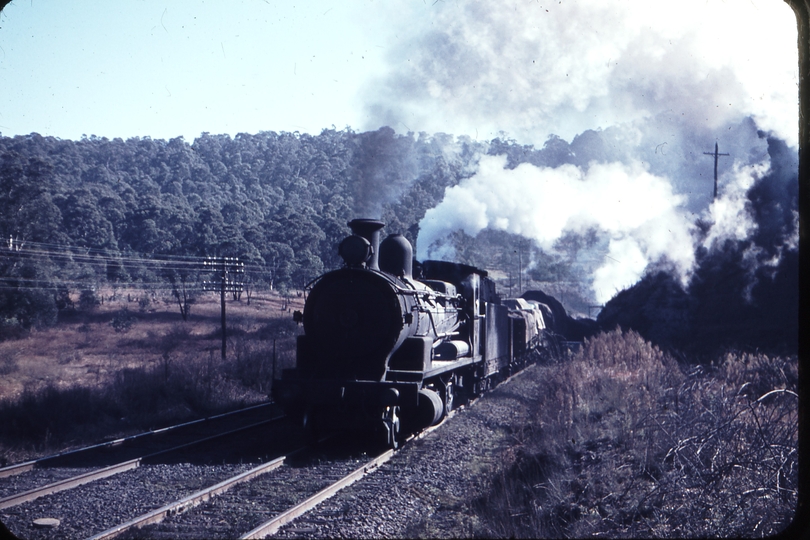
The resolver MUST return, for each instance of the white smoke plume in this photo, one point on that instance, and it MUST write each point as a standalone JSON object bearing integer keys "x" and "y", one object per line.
{"x": 639, "y": 214}
{"x": 730, "y": 214}
{"x": 640, "y": 89}
{"x": 534, "y": 68}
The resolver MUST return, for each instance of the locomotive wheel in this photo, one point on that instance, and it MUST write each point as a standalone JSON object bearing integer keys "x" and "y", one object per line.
{"x": 449, "y": 397}
{"x": 391, "y": 427}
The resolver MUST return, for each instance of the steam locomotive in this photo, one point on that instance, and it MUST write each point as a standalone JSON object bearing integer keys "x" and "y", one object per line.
{"x": 390, "y": 345}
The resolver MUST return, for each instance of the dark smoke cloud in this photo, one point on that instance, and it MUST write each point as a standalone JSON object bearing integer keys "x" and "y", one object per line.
{"x": 774, "y": 203}
{"x": 386, "y": 166}
{"x": 745, "y": 288}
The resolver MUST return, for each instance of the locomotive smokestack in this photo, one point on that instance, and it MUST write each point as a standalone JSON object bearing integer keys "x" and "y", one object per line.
{"x": 370, "y": 230}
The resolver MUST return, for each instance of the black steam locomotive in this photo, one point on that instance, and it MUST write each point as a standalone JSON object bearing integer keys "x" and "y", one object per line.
{"x": 390, "y": 345}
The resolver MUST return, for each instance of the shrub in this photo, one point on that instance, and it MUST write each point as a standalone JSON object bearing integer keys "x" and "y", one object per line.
{"x": 626, "y": 444}
{"x": 28, "y": 308}
{"x": 173, "y": 339}
{"x": 87, "y": 299}
{"x": 253, "y": 364}
{"x": 11, "y": 329}
{"x": 756, "y": 374}
{"x": 278, "y": 328}
{"x": 52, "y": 415}
{"x": 122, "y": 321}
{"x": 67, "y": 357}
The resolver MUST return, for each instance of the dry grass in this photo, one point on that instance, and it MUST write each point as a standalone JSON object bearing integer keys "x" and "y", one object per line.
{"x": 625, "y": 443}
{"x": 86, "y": 379}
{"x": 84, "y": 349}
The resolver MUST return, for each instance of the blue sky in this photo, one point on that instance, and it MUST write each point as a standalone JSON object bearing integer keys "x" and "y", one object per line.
{"x": 165, "y": 69}
{"x": 169, "y": 68}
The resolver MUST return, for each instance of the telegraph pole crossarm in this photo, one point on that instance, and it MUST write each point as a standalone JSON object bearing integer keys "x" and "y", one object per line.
{"x": 223, "y": 267}
{"x": 716, "y": 155}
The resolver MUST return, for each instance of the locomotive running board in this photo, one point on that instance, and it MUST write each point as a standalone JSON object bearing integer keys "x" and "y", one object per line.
{"x": 440, "y": 366}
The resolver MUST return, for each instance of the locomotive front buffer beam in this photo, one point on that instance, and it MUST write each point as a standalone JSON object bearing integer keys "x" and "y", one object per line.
{"x": 387, "y": 409}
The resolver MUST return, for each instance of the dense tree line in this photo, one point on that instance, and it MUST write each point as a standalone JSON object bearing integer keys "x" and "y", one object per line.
{"x": 76, "y": 215}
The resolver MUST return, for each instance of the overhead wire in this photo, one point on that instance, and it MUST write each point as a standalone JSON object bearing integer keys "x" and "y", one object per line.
{"x": 99, "y": 257}
{"x": 134, "y": 257}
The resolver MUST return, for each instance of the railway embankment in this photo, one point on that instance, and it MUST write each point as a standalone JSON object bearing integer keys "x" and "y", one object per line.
{"x": 81, "y": 382}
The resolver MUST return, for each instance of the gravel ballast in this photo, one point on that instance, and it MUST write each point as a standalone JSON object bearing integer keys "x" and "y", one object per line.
{"x": 97, "y": 506}
{"x": 426, "y": 489}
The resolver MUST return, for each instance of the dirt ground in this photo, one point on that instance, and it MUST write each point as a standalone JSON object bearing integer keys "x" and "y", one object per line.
{"x": 84, "y": 348}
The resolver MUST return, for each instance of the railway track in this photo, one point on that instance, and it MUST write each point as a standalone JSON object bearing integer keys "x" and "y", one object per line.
{"x": 50, "y": 485}
{"x": 258, "y": 507}
{"x": 253, "y": 504}
{"x": 85, "y": 477}
{"x": 280, "y": 489}
{"x": 235, "y": 501}
{"x": 143, "y": 443}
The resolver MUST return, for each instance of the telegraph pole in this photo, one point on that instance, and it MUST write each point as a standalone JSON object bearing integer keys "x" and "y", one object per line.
{"x": 223, "y": 267}
{"x": 520, "y": 269}
{"x": 716, "y": 155}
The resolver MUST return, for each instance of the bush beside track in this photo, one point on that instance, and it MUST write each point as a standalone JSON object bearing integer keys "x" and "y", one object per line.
{"x": 176, "y": 376}
{"x": 623, "y": 441}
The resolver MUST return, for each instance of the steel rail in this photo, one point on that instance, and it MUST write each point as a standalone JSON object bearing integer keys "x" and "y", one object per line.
{"x": 271, "y": 526}
{"x": 190, "y": 501}
{"x": 26, "y": 466}
{"x": 274, "y": 524}
{"x": 75, "y": 481}
{"x": 68, "y": 483}
{"x": 17, "y": 468}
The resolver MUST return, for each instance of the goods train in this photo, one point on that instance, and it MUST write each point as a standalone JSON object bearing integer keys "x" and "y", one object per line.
{"x": 390, "y": 345}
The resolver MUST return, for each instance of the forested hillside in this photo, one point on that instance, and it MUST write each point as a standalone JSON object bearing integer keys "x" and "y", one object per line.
{"x": 79, "y": 215}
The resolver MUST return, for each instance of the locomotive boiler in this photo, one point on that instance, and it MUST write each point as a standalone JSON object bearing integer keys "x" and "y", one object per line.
{"x": 391, "y": 345}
